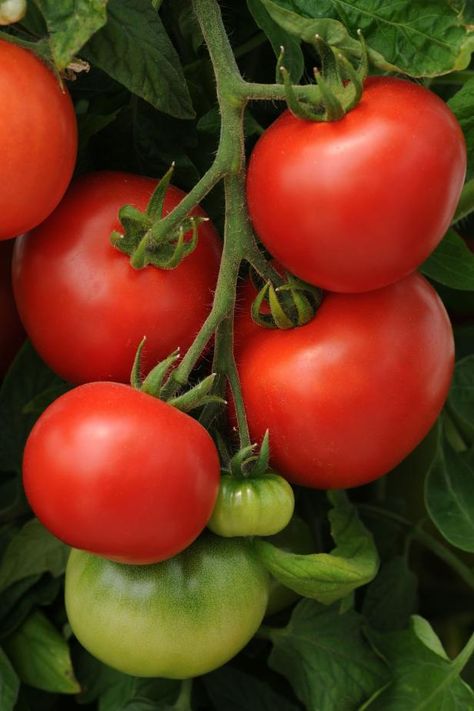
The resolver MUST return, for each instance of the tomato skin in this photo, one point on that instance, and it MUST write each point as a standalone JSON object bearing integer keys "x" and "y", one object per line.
{"x": 119, "y": 473}
{"x": 252, "y": 506}
{"x": 12, "y": 334}
{"x": 356, "y": 204}
{"x": 38, "y": 135}
{"x": 176, "y": 619}
{"x": 347, "y": 396}
{"x": 87, "y": 318}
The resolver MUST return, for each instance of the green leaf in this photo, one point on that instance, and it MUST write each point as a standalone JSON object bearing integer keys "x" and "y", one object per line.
{"x": 40, "y": 656}
{"x": 293, "y": 59}
{"x": 21, "y": 598}
{"x": 135, "y": 50}
{"x": 327, "y": 577}
{"x": 427, "y": 635}
{"x": 234, "y": 690}
{"x": 452, "y": 263}
{"x": 27, "y": 380}
{"x": 326, "y": 658}
{"x": 70, "y": 24}
{"x": 461, "y": 395}
{"x": 96, "y": 678}
{"x": 32, "y": 551}
{"x": 132, "y": 694}
{"x": 391, "y": 598}
{"x": 419, "y": 39}
{"x": 449, "y": 496}
{"x": 422, "y": 678}
{"x": 462, "y": 105}
{"x": 9, "y": 683}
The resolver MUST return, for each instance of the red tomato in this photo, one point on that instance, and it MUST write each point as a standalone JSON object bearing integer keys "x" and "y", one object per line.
{"x": 356, "y": 204}
{"x": 84, "y": 307}
{"x": 347, "y": 396}
{"x": 121, "y": 474}
{"x": 11, "y": 331}
{"x": 38, "y": 139}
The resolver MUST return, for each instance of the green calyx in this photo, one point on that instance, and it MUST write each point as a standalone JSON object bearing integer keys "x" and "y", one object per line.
{"x": 292, "y": 304}
{"x": 142, "y": 239}
{"x": 338, "y": 86}
{"x": 155, "y": 383}
{"x": 248, "y": 463}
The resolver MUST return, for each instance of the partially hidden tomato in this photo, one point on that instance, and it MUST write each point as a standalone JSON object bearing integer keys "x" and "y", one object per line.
{"x": 348, "y": 395}
{"x": 117, "y": 472}
{"x": 84, "y": 307}
{"x": 38, "y": 138}
{"x": 355, "y": 204}
{"x": 252, "y": 506}
{"x": 177, "y": 619}
{"x": 11, "y": 331}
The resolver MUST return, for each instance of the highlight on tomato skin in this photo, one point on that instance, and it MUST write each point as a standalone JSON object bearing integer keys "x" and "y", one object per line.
{"x": 87, "y": 319}
{"x": 359, "y": 203}
{"x": 347, "y": 396}
{"x": 121, "y": 474}
{"x": 38, "y": 139}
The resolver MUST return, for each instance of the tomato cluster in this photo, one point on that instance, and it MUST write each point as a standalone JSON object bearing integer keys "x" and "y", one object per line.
{"x": 354, "y": 206}
{"x": 130, "y": 481}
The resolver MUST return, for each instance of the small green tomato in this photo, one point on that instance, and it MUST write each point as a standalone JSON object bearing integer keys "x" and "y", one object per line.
{"x": 12, "y": 11}
{"x": 252, "y": 506}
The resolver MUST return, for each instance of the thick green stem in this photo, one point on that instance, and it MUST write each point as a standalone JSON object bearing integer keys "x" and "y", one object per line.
{"x": 183, "y": 702}
{"x": 253, "y": 91}
{"x": 239, "y": 241}
{"x": 439, "y": 550}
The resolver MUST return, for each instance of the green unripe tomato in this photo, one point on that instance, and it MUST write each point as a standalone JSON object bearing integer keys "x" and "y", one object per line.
{"x": 295, "y": 538}
{"x": 252, "y": 506}
{"x": 177, "y": 619}
{"x": 12, "y": 11}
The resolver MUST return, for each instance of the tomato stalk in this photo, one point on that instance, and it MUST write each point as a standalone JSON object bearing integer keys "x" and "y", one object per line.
{"x": 239, "y": 240}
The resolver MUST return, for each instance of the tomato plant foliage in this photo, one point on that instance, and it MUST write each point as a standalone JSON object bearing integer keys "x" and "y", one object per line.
{"x": 366, "y": 596}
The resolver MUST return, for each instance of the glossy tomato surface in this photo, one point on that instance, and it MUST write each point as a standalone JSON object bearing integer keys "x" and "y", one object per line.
{"x": 347, "y": 396}
{"x": 176, "y": 619}
{"x": 356, "y": 204}
{"x": 38, "y": 139}
{"x": 84, "y": 307}
{"x": 119, "y": 473}
{"x": 11, "y": 331}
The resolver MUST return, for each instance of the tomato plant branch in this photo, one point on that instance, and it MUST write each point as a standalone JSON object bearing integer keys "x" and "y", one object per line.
{"x": 438, "y": 549}
{"x": 239, "y": 240}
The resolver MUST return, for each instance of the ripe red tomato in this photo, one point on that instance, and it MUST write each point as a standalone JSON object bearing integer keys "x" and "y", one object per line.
{"x": 11, "y": 331}
{"x": 121, "y": 474}
{"x": 38, "y": 139}
{"x": 84, "y": 307}
{"x": 356, "y": 204}
{"x": 347, "y": 396}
